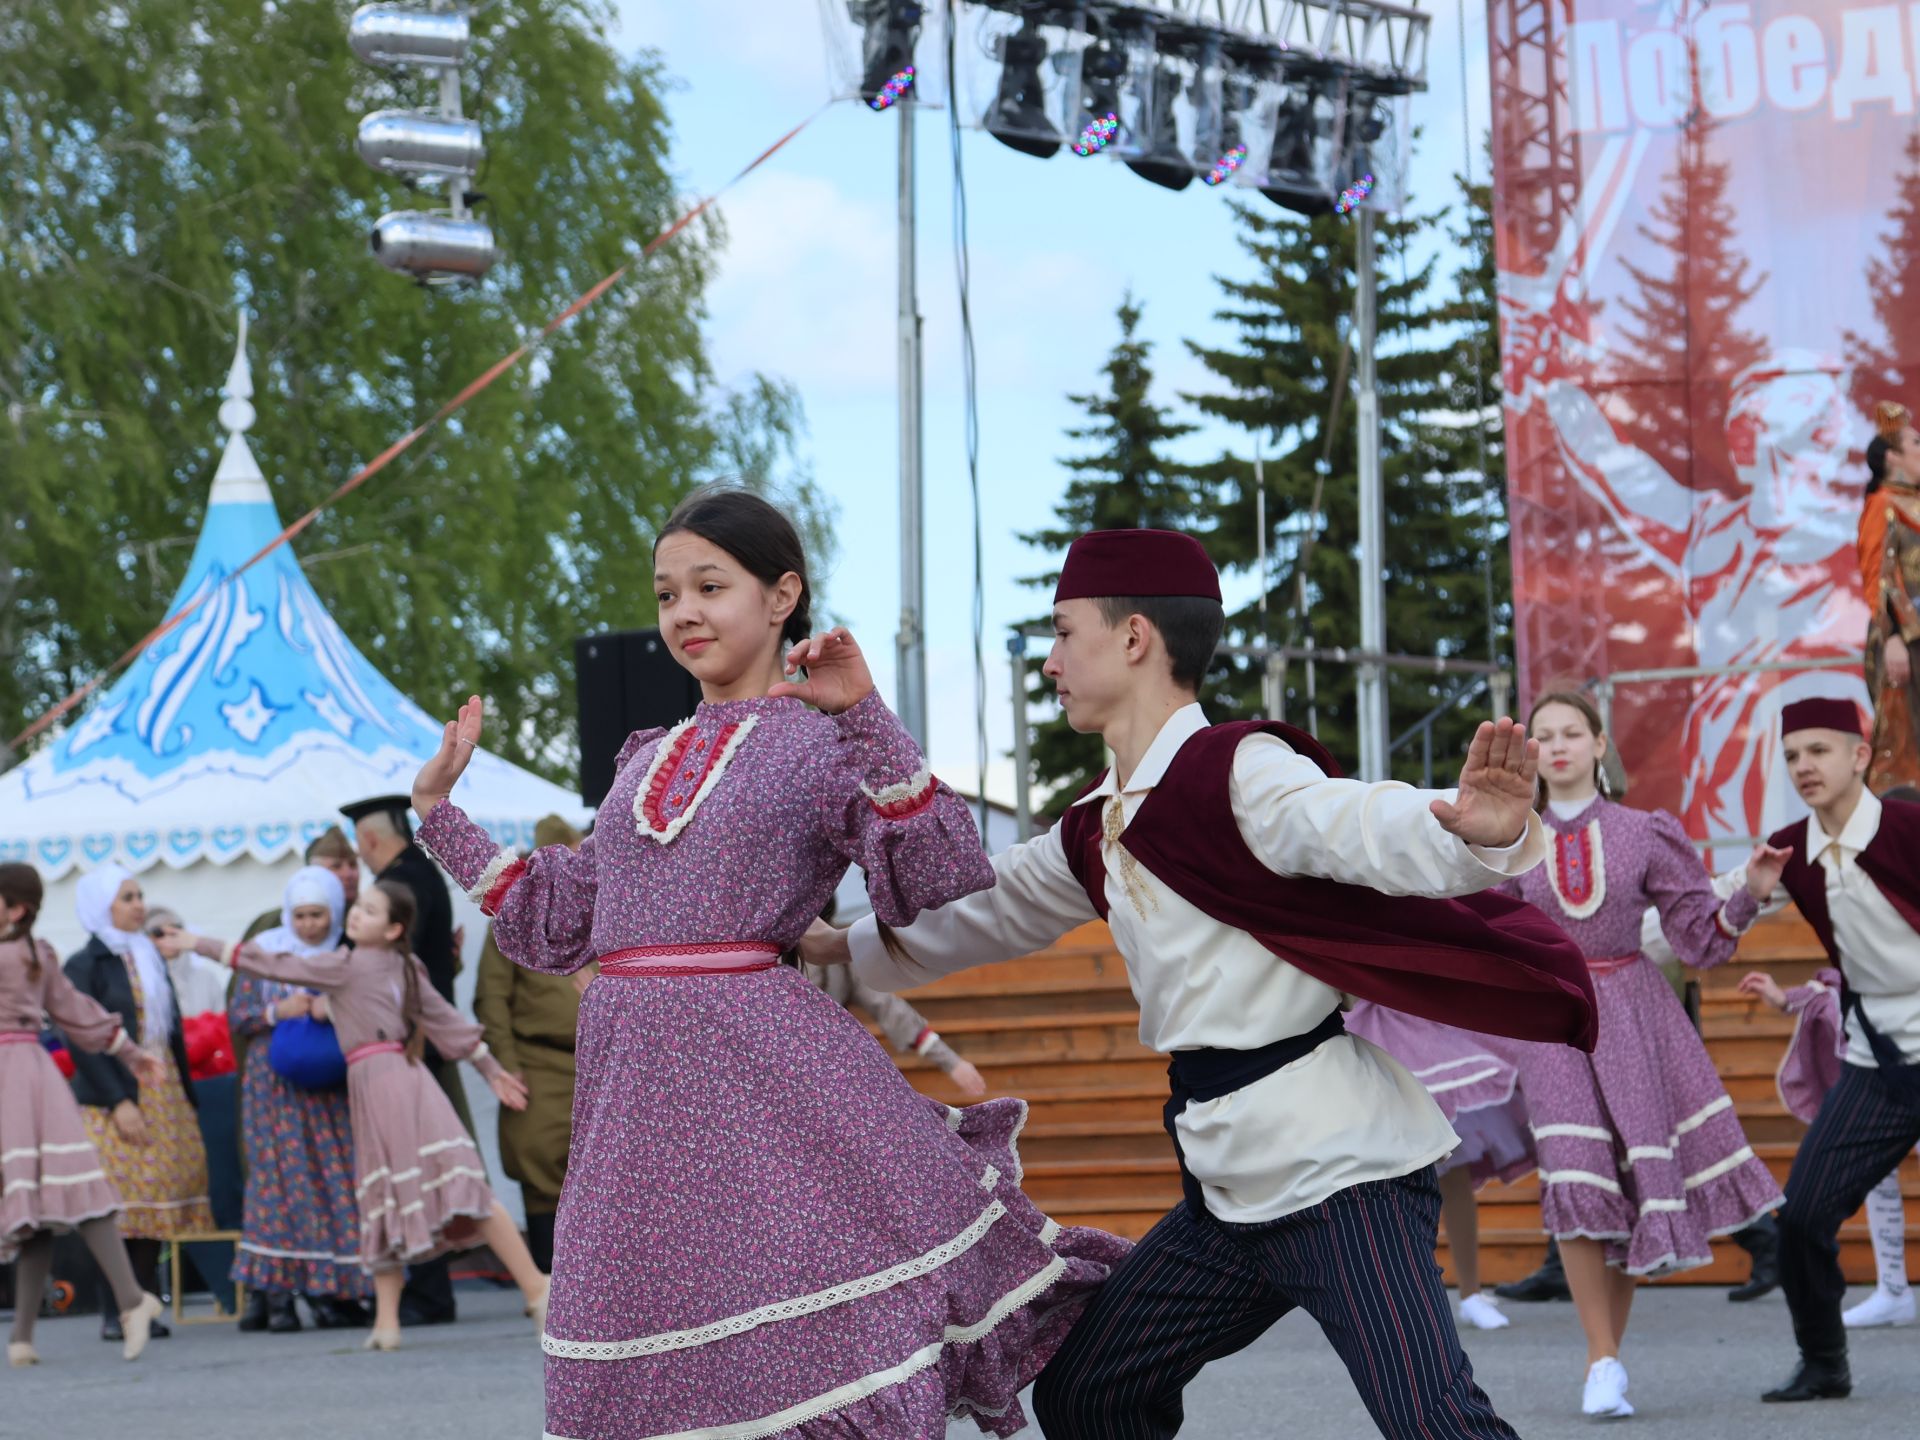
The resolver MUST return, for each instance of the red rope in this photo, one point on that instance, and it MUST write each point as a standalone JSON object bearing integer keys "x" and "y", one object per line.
{"x": 399, "y": 447}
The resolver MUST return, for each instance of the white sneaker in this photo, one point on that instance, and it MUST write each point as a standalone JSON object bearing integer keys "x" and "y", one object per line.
{"x": 1880, "y": 1308}
{"x": 1482, "y": 1312}
{"x": 1605, "y": 1396}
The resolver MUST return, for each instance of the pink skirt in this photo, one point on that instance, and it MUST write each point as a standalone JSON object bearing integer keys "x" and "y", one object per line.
{"x": 51, "y": 1177}
{"x": 416, "y": 1171}
{"x": 1471, "y": 1077}
{"x": 1639, "y": 1144}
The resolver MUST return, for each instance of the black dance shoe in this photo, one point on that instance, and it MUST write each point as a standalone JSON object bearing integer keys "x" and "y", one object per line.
{"x": 1823, "y": 1379}
{"x": 253, "y": 1313}
{"x": 283, "y": 1315}
{"x": 110, "y": 1328}
{"x": 1761, "y": 1240}
{"x": 1549, "y": 1282}
{"x": 332, "y": 1312}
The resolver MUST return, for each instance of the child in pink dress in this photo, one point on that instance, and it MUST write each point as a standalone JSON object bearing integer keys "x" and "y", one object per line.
{"x": 764, "y": 1230}
{"x": 421, "y": 1187}
{"x": 51, "y": 1179}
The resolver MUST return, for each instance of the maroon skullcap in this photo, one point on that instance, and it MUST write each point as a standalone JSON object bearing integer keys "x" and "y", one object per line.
{"x": 1822, "y": 713}
{"x": 1105, "y": 563}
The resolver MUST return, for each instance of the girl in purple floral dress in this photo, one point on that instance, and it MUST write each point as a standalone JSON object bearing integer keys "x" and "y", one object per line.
{"x": 1642, "y": 1159}
{"x": 764, "y": 1230}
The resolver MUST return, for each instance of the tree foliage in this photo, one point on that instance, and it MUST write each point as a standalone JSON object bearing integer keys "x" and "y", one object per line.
{"x": 164, "y": 160}
{"x": 1123, "y": 480}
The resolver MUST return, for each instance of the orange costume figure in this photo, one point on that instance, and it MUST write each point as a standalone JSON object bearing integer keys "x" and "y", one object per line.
{"x": 1890, "y": 580}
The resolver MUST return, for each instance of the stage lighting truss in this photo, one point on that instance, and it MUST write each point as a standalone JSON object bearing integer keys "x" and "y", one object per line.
{"x": 1297, "y": 99}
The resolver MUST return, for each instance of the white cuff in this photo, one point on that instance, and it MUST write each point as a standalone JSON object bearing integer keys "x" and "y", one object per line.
{"x": 1518, "y": 858}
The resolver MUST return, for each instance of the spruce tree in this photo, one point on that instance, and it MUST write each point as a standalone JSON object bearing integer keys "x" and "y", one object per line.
{"x": 1124, "y": 480}
{"x": 1289, "y": 380}
{"x": 1887, "y": 362}
{"x": 1685, "y": 339}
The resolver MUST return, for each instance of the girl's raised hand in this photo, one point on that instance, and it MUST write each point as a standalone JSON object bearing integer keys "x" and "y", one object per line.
{"x": 837, "y": 674}
{"x": 457, "y": 743}
{"x": 511, "y": 1090}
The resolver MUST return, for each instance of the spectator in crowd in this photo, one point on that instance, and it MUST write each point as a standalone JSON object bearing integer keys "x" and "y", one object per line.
{"x": 147, "y": 1134}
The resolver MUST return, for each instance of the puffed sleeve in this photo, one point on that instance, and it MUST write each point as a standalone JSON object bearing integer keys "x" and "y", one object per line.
{"x": 541, "y": 905}
{"x": 911, "y": 834}
{"x": 87, "y": 1024}
{"x": 451, "y": 1033}
{"x": 1702, "y": 929}
{"x": 327, "y": 970}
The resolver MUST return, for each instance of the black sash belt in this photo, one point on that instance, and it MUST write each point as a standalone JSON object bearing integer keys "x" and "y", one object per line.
{"x": 1197, "y": 1076}
{"x": 1901, "y": 1074}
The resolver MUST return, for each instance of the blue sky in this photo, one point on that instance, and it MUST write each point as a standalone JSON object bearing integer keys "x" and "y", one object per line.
{"x": 806, "y": 291}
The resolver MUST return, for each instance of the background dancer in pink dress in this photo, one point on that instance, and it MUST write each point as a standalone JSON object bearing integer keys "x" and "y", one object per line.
{"x": 1642, "y": 1159}
{"x": 764, "y": 1230}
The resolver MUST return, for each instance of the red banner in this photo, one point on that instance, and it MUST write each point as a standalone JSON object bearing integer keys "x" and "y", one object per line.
{"x": 1708, "y": 222}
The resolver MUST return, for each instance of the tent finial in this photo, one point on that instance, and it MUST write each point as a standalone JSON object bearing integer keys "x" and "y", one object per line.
{"x": 236, "y": 411}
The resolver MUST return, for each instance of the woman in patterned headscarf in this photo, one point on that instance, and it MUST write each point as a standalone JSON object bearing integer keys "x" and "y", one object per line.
{"x": 147, "y": 1135}
{"x": 301, "y": 1235}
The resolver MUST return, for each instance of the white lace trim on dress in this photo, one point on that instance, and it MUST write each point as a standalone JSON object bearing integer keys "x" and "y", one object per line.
{"x": 667, "y": 1341}
{"x": 873, "y": 1384}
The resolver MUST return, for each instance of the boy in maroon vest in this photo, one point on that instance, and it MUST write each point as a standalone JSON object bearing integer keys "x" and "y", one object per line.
{"x": 1855, "y": 874}
{"x": 1231, "y": 869}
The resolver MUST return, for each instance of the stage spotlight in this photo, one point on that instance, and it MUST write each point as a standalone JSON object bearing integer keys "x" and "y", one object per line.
{"x": 1300, "y": 172}
{"x": 390, "y": 35}
{"x": 432, "y": 247}
{"x": 1165, "y": 159}
{"x": 1018, "y": 115}
{"x": 1103, "y": 66}
{"x": 891, "y": 29}
{"x": 420, "y": 142}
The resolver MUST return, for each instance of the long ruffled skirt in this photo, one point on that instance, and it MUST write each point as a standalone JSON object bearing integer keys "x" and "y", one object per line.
{"x": 1639, "y": 1144}
{"x": 1471, "y": 1077}
{"x": 765, "y": 1231}
{"x": 51, "y": 1177}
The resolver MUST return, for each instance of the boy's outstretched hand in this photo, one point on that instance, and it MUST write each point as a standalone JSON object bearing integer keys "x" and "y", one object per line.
{"x": 1495, "y": 799}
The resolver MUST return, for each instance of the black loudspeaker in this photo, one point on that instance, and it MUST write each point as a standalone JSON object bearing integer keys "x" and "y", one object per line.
{"x": 624, "y": 681}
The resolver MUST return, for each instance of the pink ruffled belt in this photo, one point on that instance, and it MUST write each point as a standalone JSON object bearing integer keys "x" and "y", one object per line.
{"x": 372, "y": 1048}
{"x": 725, "y": 957}
{"x": 18, "y": 1037}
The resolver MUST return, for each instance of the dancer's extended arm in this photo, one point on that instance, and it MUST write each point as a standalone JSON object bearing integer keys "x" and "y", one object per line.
{"x": 1033, "y": 902}
{"x": 541, "y": 906}
{"x": 1388, "y": 836}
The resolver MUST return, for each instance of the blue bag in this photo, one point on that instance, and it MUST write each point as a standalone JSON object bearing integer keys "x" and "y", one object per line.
{"x": 306, "y": 1052}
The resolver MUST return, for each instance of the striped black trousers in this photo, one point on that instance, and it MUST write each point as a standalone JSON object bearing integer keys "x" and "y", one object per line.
{"x": 1865, "y": 1126}
{"x": 1195, "y": 1289}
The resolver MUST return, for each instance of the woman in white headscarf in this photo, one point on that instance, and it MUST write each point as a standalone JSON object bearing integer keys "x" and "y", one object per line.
{"x": 148, "y": 1135}
{"x": 301, "y": 1235}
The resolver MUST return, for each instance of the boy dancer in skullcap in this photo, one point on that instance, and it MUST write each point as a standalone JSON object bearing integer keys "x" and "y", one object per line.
{"x": 1251, "y": 892}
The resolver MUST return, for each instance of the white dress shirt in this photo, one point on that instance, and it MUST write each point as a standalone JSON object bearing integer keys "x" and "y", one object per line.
{"x": 1879, "y": 950}
{"x": 1343, "y": 1115}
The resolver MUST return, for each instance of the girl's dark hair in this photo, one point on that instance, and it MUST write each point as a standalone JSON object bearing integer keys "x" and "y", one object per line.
{"x": 1877, "y": 449}
{"x": 1591, "y": 714}
{"x": 401, "y": 911}
{"x": 20, "y": 885}
{"x": 754, "y": 532}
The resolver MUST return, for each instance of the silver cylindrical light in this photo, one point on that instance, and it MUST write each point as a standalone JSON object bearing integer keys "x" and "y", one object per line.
{"x": 397, "y": 35}
{"x": 419, "y": 142}
{"x": 429, "y": 246}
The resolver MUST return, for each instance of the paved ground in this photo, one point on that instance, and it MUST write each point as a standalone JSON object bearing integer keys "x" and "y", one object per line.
{"x": 1697, "y": 1364}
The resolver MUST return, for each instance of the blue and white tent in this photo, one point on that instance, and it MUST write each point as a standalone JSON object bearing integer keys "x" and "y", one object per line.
{"x": 223, "y": 750}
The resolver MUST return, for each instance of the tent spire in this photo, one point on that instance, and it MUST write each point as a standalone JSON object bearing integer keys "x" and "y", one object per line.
{"x": 238, "y": 480}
